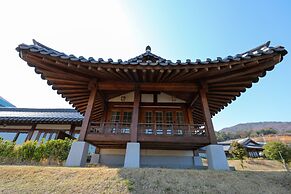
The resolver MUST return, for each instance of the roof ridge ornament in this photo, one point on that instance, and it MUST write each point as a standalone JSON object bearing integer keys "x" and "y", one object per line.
{"x": 265, "y": 45}
{"x": 148, "y": 49}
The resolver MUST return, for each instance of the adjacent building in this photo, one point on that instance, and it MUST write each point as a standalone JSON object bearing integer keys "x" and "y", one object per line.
{"x": 254, "y": 149}
{"x": 5, "y": 103}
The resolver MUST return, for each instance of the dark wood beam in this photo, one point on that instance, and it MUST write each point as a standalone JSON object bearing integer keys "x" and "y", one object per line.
{"x": 127, "y": 86}
{"x": 51, "y": 135}
{"x": 30, "y": 132}
{"x": 88, "y": 113}
{"x": 194, "y": 100}
{"x": 258, "y": 68}
{"x": 16, "y": 137}
{"x": 190, "y": 116}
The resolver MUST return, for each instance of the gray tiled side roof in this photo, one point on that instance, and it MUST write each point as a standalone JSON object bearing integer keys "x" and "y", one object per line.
{"x": 151, "y": 59}
{"x": 5, "y": 103}
{"x": 31, "y": 115}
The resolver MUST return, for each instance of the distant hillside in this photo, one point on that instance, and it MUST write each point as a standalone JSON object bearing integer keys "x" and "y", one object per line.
{"x": 280, "y": 126}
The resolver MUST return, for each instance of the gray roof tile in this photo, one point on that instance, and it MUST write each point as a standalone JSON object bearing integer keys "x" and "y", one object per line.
{"x": 30, "y": 115}
{"x": 148, "y": 58}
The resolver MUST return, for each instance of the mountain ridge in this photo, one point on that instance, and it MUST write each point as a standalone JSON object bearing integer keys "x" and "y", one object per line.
{"x": 255, "y": 126}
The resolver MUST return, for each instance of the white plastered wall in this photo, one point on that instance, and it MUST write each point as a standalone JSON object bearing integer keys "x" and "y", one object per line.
{"x": 162, "y": 97}
{"x": 148, "y": 152}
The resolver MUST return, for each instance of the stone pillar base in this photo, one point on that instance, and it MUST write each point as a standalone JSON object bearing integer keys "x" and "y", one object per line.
{"x": 216, "y": 157}
{"x": 197, "y": 162}
{"x": 95, "y": 159}
{"x": 78, "y": 154}
{"x": 132, "y": 155}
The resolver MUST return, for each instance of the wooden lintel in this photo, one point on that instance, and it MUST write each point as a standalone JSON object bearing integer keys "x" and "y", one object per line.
{"x": 126, "y": 86}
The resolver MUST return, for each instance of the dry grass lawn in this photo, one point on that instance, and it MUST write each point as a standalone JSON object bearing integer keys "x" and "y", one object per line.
{"x": 258, "y": 165}
{"x": 271, "y": 138}
{"x": 34, "y": 179}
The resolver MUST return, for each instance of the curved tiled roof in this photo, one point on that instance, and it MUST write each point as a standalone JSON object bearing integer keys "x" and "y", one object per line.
{"x": 226, "y": 78}
{"x": 33, "y": 115}
{"x": 151, "y": 59}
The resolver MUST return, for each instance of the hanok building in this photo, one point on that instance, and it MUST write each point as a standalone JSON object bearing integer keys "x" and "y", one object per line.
{"x": 254, "y": 149}
{"x": 149, "y": 111}
{"x": 24, "y": 124}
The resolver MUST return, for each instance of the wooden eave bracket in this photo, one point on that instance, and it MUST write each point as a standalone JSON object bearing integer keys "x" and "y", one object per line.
{"x": 92, "y": 84}
{"x": 204, "y": 86}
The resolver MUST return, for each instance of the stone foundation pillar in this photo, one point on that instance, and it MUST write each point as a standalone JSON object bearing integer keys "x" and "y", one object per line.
{"x": 197, "y": 162}
{"x": 78, "y": 154}
{"x": 95, "y": 159}
{"x": 216, "y": 157}
{"x": 132, "y": 155}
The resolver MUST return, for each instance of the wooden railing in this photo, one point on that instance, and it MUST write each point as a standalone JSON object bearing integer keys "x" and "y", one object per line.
{"x": 109, "y": 128}
{"x": 157, "y": 129}
{"x": 166, "y": 129}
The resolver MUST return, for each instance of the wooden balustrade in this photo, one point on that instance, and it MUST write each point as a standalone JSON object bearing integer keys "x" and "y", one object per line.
{"x": 171, "y": 129}
{"x": 158, "y": 129}
{"x": 109, "y": 128}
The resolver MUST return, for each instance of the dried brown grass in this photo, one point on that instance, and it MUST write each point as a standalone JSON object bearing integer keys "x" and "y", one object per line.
{"x": 36, "y": 179}
{"x": 258, "y": 165}
{"x": 273, "y": 138}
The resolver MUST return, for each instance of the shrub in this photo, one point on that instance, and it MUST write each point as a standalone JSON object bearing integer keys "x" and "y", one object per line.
{"x": 25, "y": 152}
{"x": 58, "y": 150}
{"x": 278, "y": 151}
{"x": 238, "y": 151}
{"x": 39, "y": 152}
{"x": 53, "y": 150}
{"x": 7, "y": 153}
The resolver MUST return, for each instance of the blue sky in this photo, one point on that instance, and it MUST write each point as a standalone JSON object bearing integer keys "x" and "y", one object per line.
{"x": 174, "y": 29}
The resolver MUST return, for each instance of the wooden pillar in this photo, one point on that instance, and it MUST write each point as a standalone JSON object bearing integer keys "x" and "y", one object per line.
{"x": 51, "y": 135}
{"x": 207, "y": 115}
{"x": 30, "y": 133}
{"x": 190, "y": 116}
{"x": 97, "y": 150}
{"x": 190, "y": 120}
{"x": 72, "y": 130}
{"x": 135, "y": 114}
{"x": 38, "y": 136}
{"x": 44, "y": 135}
{"x": 86, "y": 120}
{"x": 16, "y": 136}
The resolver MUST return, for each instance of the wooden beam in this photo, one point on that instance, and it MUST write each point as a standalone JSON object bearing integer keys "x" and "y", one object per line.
{"x": 127, "y": 86}
{"x": 88, "y": 113}
{"x": 16, "y": 137}
{"x": 38, "y": 136}
{"x": 135, "y": 115}
{"x": 258, "y": 68}
{"x": 190, "y": 116}
{"x": 207, "y": 115}
{"x": 51, "y": 135}
{"x": 30, "y": 133}
{"x": 194, "y": 100}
